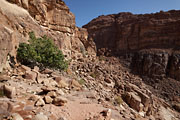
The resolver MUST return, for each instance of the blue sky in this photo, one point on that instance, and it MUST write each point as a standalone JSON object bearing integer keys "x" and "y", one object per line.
{"x": 86, "y": 10}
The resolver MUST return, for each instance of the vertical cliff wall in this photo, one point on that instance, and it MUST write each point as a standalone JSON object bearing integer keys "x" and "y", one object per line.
{"x": 125, "y": 31}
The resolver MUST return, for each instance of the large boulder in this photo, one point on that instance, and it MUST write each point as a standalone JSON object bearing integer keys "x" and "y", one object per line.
{"x": 5, "y": 108}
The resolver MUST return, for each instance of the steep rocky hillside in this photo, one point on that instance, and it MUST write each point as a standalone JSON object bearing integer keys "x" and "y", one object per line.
{"x": 51, "y": 18}
{"x": 125, "y": 33}
{"x": 93, "y": 87}
{"x": 147, "y": 44}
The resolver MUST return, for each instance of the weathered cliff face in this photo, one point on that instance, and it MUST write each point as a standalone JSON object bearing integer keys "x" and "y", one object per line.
{"x": 157, "y": 63}
{"x": 125, "y": 33}
{"x": 44, "y": 17}
{"x": 53, "y": 14}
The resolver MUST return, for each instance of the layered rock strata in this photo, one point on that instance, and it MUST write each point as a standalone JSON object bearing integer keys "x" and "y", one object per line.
{"x": 45, "y": 17}
{"x": 151, "y": 41}
{"x": 127, "y": 32}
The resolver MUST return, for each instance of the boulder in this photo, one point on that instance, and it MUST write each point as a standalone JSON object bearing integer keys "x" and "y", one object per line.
{"x": 47, "y": 89}
{"x": 34, "y": 97}
{"x": 75, "y": 85}
{"x": 177, "y": 107}
{"x": 16, "y": 116}
{"x": 60, "y": 101}
{"x": 48, "y": 99}
{"x": 9, "y": 91}
{"x": 6, "y": 108}
{"x": 25, "y": 68}
{"x": 145, "y": 100}
{"x": 61, "y": 82}
{"x": 47, "y": 71}
{"x": 40, "y": 102}
{"x": 31, "y": 75}
{"x": 134, "y": 101}
{"x": 40, "y": 117}
{"x": 41, "y": 77}
{"x": 52, "y": 94}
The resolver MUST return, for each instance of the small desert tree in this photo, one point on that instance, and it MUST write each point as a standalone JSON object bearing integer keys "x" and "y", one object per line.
{"x": 41, "y": 51}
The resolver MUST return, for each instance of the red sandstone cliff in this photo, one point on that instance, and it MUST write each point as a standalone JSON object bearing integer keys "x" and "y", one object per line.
{"x": 47, "y": 17}
{"x": 125, "y": 31}
{"x": 129, "y": 34}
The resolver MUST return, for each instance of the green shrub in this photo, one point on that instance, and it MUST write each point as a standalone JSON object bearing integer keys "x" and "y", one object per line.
{"x": 102, "y": 58}
{"x": 41, "y": 51}
{"x": 1, "y": 93}
{"x": 118, "y": 100}
{"x": 95, "y": 74}
{"x": 82, "y": 81}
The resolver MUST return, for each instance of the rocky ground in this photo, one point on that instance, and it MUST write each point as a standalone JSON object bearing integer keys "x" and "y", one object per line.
{"x": 91, "y": 89}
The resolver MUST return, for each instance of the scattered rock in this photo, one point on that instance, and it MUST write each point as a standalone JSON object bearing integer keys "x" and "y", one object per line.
{"x": 9, "y": 91}
{"x": 59, "y": 101}
{"x": 40, "y": 117}
{"x": 25, "y": 68}
{"x": 16, "y": 116}
{"x": 28, "y": 108}
{"x": 62, "y": 118}
{"x": 108, "y": 80}
{"x": 48, "y": 99}
{"x": 134, "y": 101}
{"x": 47, "y": 71}
{"x": 91, "y": 95}
{"x": 40, "y": 102}
{"x": 145, "y": 100}
{"x": 4, "y": 78}
{"x": 177, "y": 107}
{"x": 30, "y": 75}
{"x": 41, "y": 78}
{"x": 47, "y": 89}
{"x": 5, "y": 108}
{"x": 52, "y": 94}
{"x": 62, "y": 84}
{"x": 34, "y": 97}
{"x": 60, "y": 92}
{"x": 107, "y": 113}
{"x": 75, "y": 85}
{"x": 36, "y": 69}
{"x": 46, "y": 82}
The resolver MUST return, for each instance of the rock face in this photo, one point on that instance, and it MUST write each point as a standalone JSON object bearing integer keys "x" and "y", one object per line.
{"x": 45, "y": 17}
{"x": 157, "y": 63}
{"x": 126, "y": 32}
{"x": 151, "y": 41}
{"x": 56, "y": 16}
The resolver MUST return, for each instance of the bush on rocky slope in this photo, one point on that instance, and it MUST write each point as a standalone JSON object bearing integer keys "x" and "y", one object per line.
{"x": 41, "y": 51}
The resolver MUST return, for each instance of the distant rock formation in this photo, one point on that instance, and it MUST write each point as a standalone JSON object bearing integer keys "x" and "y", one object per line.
{"x": 125, "y": 33}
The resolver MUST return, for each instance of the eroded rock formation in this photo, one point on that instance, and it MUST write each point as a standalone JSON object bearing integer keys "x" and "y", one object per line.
{"x": 126, "y": 32}
{"x": 129, "y": 34}
{"x": 44, "y": 17}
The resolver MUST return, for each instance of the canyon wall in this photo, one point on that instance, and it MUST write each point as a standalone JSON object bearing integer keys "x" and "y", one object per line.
{"x": 44, "y": 17}
{"x": 151, "y": 40}
{"x": 126, "y": 32}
